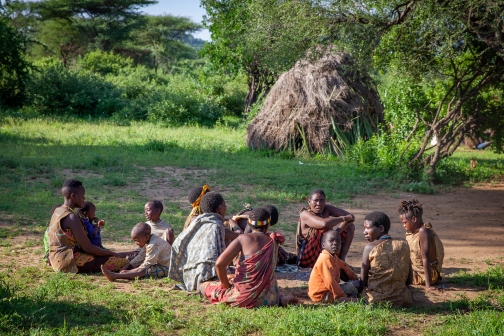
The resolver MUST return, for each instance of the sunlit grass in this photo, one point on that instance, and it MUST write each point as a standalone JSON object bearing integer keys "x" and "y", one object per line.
{"x": 119, "y": 168}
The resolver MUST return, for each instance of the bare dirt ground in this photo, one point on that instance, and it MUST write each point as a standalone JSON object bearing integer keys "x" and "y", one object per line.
{"x": 469, "y": 221}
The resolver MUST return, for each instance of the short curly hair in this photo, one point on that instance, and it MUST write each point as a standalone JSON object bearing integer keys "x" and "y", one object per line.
{"x": 211, "y": 201}
{"x": 379, "y": 218}
{"x": 70, "y": 186}
{"x": 317, "y": 192}
{"x": 83, "y": 212}
{"x": 410, "y": 208}
{"x": 141, "y": 229}
{"x": 273, "y": 213}
{"x": 156, "y": 204}
{"x": 259, "y": 214}
{"x": 194, "y": 194}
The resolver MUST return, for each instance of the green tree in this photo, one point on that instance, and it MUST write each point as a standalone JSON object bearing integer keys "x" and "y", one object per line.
{"x": 262, "y": 38}
{"x": 453, "y": 49}
{"x": 13, "y": 65}
{"x": 90, "y": 24}
{"x": 438, "y": 45}
{"x": 162, "y": 37}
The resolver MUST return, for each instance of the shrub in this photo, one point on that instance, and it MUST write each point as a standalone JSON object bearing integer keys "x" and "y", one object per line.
{"x": 13, "y": 65}
{"x": 104, "y": 63}
{"x": 53, "y": 89}
{"x": 385, "y": 150}
{"x": 180, "y": 101}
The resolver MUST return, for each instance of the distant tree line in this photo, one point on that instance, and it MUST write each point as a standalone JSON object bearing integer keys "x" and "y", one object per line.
{"x": 68, "y": 29}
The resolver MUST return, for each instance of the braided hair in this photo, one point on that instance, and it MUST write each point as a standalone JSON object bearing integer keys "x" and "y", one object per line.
{"x": 410, "y": 208}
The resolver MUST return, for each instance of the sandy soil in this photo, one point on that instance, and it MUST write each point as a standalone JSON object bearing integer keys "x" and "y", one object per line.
{"x": 468, "y": 220}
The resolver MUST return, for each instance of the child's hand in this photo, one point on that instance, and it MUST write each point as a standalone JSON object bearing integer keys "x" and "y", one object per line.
{"x": 101, "y": 223}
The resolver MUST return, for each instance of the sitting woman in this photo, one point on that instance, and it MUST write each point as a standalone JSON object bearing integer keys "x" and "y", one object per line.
{"x": 254, "y": 283}
{"x": 386, "y": 265}
{"x": 194, "y": 198}
{"x": 196, "y": 249}
{"x": 70, "y": 250}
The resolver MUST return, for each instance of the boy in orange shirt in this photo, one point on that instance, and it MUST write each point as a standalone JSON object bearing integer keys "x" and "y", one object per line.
{"x": 323, "y": 285}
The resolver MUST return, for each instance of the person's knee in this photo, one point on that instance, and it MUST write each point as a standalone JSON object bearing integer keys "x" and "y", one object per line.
{"x": 351, "y": 229}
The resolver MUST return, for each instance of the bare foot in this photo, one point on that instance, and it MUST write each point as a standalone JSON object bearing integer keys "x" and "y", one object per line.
{"x": 110, "y": 276}
{"x": 288, "y": 300}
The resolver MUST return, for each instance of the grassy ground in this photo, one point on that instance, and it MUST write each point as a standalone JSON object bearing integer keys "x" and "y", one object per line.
{"x": 119, "y": 165}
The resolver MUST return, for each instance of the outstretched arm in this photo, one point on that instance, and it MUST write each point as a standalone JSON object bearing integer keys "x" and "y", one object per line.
{"x": 425, "y": 246}
{"x": 224, "y": 259}
{"x": 316, "y": 222}
{"x": 73, "y": 223}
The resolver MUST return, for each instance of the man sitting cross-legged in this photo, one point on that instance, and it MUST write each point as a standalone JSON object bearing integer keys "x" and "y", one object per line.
{"x": 315, "y": 221}
{"x": 254, "y": 283}
{"x": 153, "y": 260}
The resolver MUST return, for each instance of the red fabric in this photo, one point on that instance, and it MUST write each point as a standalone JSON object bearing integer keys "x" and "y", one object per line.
{"x": 254, "y": 282}
{"x": 311, "y": 246}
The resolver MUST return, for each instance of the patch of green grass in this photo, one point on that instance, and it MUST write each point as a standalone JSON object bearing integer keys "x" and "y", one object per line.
{"x": 419, "y": 187}
{"x": 341, "y": 319}
{"x": 122, "y": 167}
{"x": 493, "y": 277}
{"x": 480, "y": 322}
{"x": 7, "y": 232}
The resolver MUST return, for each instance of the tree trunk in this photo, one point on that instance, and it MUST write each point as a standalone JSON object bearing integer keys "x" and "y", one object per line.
{"x": 252, "y": 94}
{"x": 259, "y": 82}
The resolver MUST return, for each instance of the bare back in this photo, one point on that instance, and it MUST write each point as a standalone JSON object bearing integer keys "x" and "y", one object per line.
{"x": 253, "y": 242}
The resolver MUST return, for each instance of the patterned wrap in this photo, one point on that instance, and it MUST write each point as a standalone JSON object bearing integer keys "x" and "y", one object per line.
{"x": 389, "y": 261}
{"x": 413, "y": 240}
{"x": 196, "y": 250}
{"x": 157, "y": 271}
{"x": 61, "y": 243}
{"x": 254, "y": 283}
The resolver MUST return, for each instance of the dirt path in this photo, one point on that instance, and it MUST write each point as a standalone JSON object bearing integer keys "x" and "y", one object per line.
{"x": 470, "y": 222}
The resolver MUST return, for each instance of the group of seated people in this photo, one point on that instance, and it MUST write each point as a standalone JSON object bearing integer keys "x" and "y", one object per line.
{"x": 233, "y": 260}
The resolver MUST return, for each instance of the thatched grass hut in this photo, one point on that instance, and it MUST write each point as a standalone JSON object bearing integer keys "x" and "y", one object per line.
{"x": 319, "y": 107}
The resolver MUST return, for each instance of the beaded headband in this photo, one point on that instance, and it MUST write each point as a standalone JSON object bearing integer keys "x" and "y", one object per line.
{"x": 259, "y": 223}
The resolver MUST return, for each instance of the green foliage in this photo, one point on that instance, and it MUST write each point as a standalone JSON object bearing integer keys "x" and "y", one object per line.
{"x": 103, "y": 24}
{"x": 13, "y": 65}
{"x": 179, "y": 104}
{"x": 105, "y": 63}
{"x": 384, "y": 150}
{"x": 162, "y": 38}
{"x": 53, "y": 89}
